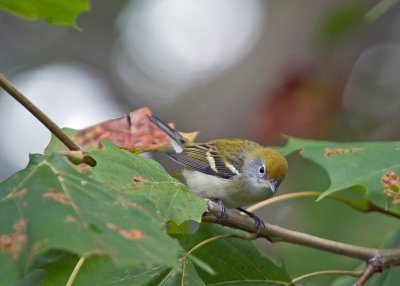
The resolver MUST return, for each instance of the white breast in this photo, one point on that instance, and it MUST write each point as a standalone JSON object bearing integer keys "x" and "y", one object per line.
{"x": 233, "y": 192}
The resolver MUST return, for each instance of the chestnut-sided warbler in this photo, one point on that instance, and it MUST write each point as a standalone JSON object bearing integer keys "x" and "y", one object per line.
{"x": 235, "y": 172}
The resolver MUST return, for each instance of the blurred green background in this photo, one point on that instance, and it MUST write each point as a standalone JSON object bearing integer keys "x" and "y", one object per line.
{"x": 248, "y": 69}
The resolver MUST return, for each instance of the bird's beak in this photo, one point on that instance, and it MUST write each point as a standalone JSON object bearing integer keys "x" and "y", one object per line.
{"x": 272, "y": 185}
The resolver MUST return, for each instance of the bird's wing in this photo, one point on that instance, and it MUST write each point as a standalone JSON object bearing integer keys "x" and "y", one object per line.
{"x": 177, "y": 140}
{"x": 205, "y": 158}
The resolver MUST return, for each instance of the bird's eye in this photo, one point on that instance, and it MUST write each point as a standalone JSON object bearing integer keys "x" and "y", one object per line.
{"x": 261, "y": 170}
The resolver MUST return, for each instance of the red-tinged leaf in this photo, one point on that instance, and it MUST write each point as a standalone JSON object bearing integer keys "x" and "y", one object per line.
{"x": 132, "y": 132}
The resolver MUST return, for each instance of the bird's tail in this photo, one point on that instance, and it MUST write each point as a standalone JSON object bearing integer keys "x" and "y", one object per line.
{"x": 177, "y": 140}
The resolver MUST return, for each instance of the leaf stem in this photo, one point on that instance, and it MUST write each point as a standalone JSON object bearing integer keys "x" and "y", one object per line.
{"x": 325, "y": 272}
{"x": 75, "y": 272}
{"x": 43, "y": 118}
{"x": 370, "y": 207}
{"x": 282, "y": 198}
{"x": 208, "y": 240}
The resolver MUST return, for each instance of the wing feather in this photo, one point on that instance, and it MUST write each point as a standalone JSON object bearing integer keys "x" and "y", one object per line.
{"x": 205, "y": 158}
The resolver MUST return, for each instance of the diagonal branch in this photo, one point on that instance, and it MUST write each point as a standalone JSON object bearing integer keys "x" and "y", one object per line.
{"x": 43, "y": 118}
{"x": 386, "y": 257}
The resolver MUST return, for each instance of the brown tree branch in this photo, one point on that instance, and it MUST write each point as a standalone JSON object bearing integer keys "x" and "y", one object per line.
{"x": 373, "y": 265}
{"x": 44, "y": 119}
{"x": 386, "y": 257}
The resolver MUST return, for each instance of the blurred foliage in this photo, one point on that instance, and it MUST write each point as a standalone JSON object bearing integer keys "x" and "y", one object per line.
{"x": 341, "y": 22}
{"x": 344, "y": 20}
{"x": 55, "y": 12}
{"x": 303, "y": 105}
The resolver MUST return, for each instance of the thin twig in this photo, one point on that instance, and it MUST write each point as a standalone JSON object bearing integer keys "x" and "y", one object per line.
{"x": 325, "y": 272}
{"x": 388, "y": 257}
{"x": 75, "y": 272}
{"x": 43, "y": 118}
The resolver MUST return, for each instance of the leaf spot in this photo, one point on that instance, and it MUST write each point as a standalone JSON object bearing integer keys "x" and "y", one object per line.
{"x": 391, "y": 186}
{"x": 70, "y": 219}
{"x": 338, "y": 151}
{"x": 83, "y": 168}
{"x": 19, "y": 194}
{"x": 37, "y": 247}
{"x": 131, "y": 234}
{"x": 96, "y": 252}
{"x": 57, "y": 196}
{"x": 14, "y": 243}
{"x": 127, "y": 203}
{"x": 138, "y": 179}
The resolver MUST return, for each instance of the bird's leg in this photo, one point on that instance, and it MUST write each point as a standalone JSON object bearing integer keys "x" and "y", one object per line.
{"x": 257, "y": 220}
{"x": 222, "y": 206}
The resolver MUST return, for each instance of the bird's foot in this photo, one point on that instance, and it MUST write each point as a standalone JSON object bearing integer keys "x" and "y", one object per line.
{"x": 222, "y": 207}
{"x": 259, "y": 223}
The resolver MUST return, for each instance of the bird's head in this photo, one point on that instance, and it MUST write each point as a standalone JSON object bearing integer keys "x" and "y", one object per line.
{"x": 265, "y": 168}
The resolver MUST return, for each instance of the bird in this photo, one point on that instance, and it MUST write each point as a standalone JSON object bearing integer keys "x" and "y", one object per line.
{"x": 232, "y": 172}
